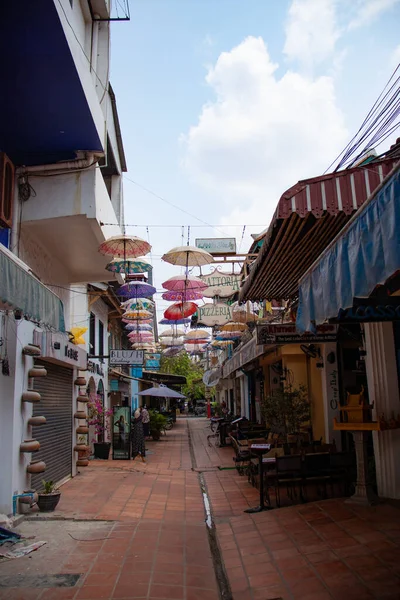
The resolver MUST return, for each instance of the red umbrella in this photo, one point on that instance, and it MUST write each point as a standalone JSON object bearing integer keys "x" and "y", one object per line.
{"x": 196, "y": 341}
{"x": 181, "y": 309}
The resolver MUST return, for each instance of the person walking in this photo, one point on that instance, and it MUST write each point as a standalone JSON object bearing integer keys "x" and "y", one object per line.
{"x": 138, "y": 447}
{"x": 146, "y": 422}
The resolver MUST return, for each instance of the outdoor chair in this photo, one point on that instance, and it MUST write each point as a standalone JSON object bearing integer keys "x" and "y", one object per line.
{"x": 242, "y": 456}
{"x": 316, "y": 471}
{"x": 288, "y": 473}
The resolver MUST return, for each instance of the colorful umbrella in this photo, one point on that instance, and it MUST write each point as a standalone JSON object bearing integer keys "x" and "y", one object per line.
{"x": 125, "y": 245}
{"x": 174, "y": 321}
{"x": 131, "y": 325}
{"x": 139, "y": 326}
{"x": 171, "y": 332}
{"x": 138, "y": 303}
{"x": 182, "y": 283}
{"x": 188, "y": 256}
{"x": 197, "y": 334}
{"x": 230, "y": 336}
{"x": 181, "y": 296}
{"x": 222, "y": 343}
{"x": 136, "y": 289}
{"x": 171, "y": 341}
{"x": 129, "y": 265}
{"x": 173, "y": 351}
{"x": 136, "y": 315}
{"x": 234, "y": 326}
{"x": 143, "y": 346}
{"x": 197, "y": 341}
{"x": 195, "y": 348}
{"x": 180, "y": 310}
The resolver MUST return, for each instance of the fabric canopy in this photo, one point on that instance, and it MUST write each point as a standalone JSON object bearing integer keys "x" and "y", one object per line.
{"x": 20, "y": 290}
{"x": 363, "y": 255}
{"x": 161, "y": 392}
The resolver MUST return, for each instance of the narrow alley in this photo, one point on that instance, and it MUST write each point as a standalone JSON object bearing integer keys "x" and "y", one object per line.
{"x": 132, "y": 530}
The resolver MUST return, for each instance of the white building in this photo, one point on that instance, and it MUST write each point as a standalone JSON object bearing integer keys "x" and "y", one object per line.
{"x": 61, "y": 161}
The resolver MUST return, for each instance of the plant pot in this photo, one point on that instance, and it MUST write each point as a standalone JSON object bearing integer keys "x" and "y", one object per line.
{"x": 29, "y": 446}
{"x": 82, "y": 462}
{"x": 82, "y": 429}
{"x": 80, "y": 381}
{"x": 37, "y": 371}
{"x": 48, "y": 502}
{"x": 82, "y": 398}
{"x": 80, "y": 414}
{"x": 156, "y": 435}
{"x": 31, "y": 396}
{"x": 36, "y": 466}
{"x": 36, "y": 421}
{"x": 31, "y": 350}
{"x": 81, "y": 448}
{"x": 102, "y": 450}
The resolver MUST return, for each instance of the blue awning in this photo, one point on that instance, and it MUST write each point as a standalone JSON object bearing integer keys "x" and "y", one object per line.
{"x": 20, "y": 290}
{"x": 363, "y": 255}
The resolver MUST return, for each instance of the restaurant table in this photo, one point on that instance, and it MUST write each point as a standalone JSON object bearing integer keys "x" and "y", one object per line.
{"x": 260, "y": 449}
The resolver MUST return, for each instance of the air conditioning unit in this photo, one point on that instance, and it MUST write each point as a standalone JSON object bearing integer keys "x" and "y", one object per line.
{"x": 6, "y": 190}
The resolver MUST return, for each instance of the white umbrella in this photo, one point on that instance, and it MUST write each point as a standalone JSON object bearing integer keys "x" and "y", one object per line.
{"x": 188, "y": 256}
{"x": 170, "y": 341}
{"x": 171, "y": 332}
{"x": 197, "y": 334}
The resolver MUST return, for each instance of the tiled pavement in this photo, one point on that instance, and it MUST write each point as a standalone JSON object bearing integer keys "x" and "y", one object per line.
{"x": 149, "y": 540}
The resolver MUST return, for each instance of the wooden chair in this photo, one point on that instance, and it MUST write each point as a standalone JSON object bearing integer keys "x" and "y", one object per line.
{"x": 288, "y": 474}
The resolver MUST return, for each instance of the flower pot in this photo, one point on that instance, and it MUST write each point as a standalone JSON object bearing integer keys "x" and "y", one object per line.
{"x": 29, "y": 446}
{"x": 82, "y": 462}
{"x": 31, "y": 396}
{"x": 80, "y": 414}
{"x": 36, "y": 466}
{"x": 81, "y": 448}
{"x": 37, "y": 371}
{"x": 82, "y": 429}
{"x": 36, "y": 421}
{"x": 80, "y": 381}
{"x": 82, "y": 398}
{"x": 31, "y": 350}
{"x": 102, "y": 450}
{"x": 29, "y": 499}
{"x": 48, "y": 502}
{"x": 156, "y": 435}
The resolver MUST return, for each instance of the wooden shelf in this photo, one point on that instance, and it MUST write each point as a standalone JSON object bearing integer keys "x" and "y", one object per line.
{"x": 374, "y": 426}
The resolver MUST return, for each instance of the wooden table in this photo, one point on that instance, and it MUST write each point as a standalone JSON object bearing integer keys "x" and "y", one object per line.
{"x": 260, "y": 449}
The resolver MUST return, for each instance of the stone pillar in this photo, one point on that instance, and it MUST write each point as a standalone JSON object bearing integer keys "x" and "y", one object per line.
{"x": 364, "y": 494}
{"x": 383, "y": 390}
{"x": 330, "y": 393}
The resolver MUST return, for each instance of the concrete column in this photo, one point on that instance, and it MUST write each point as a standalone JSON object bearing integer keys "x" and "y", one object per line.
{"x": 383, "y": 390}
{"x": 330, "y": 392}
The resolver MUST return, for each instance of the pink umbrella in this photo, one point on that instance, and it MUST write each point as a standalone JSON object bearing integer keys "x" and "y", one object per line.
{"x": 125, "y": 245}
{"x": 180, "y": 310}
{"x": 132, "y": 325}
{"x": 180, "y": 296}
{"x": 197, "y": 341}
{"x": 182, "y": 283}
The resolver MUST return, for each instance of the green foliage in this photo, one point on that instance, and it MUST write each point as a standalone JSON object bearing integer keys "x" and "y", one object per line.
{"x": 182, "y": 365}
{"x": 48, "y": 487}
{"x": 287, "y": 409}
{"x": 157, "y": 421}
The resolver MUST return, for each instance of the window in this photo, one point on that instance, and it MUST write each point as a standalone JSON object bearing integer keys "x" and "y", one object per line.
{"x": 101, "y": 338}
{"x": 92, "y": 334}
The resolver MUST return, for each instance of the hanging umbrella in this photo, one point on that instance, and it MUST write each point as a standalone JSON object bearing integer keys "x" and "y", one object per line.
{"x": 242, "y": 313}
{"x": 124, "y": 245}
{"x": 174, "y": 321}
{"x": 231, "y": 337}
{"x": 181, "y": 296}
{"x": 180, "y": 310}
{"x": 161, "y": 392}
{"x": 138, "y": 303}
{"x": 131, "y": 325}
{"x": 136, "y": 289}
{"x": 197, "y": 334}
{"x": 197, "y": 341}
{"x": 173, "y": 351}
{"x": 171, "y": 332}
{"x": 195, "y": 348}
{"x": 143, "y": 346}
{"x": 139, "y": 326}
{"x": 222, "y": 343}
{"x": 148, "y": 334}
{"x": 182, "y": 283}
{"x": 171, "y": 341}
{"x": 188, "y": 256}
{"x": 234, "y": 326}
{"x": 129, "y": 265}
{"x": 136, "y": 315}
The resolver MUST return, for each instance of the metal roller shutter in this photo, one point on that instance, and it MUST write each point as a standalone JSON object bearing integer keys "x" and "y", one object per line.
{"x": 56, "y": 436}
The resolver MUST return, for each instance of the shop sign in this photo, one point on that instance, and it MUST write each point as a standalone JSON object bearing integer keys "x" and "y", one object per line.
{"x": 214, "y": 314}
{"x": 275, "y": 333}
{"x": 121, "y": 439}
{"x": 217, "y": 246}
{"x": 126, "y": 357}
{"x": 56, "y": 348}
{"x": 114, "y": 385}
{"x": 96, "y": 368}
{"x": 137, "y": 372}
{"x": 365, "y": 310}
{"x": 152, "y": 362}
{"x": 221, "y": 284}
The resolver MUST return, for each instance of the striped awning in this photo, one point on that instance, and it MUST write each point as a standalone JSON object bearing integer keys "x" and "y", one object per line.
{"x": 308, "y": 216}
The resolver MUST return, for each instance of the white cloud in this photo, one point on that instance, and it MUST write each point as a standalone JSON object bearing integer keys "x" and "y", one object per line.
{"x": 262, "y": 133}
{"x": 366, "y": 11}
{"x": 395, "y": 57}
{"x": 311, "y": 31}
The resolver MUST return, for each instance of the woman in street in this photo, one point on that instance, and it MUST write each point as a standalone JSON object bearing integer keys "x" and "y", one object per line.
{"x": 145, "y": 421}
{"x": 138, "y": 446}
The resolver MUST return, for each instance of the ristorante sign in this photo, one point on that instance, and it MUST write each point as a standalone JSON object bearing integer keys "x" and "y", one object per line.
{"x": 214, "y": 314}
{"x": 275, "y": 333}
{"x": 221, "y": 284}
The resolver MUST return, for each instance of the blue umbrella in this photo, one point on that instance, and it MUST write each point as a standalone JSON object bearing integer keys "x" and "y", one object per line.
{"x": 161, "y": 392}
{"x": 173, "y": 322}
{"x": 136, "y": 289}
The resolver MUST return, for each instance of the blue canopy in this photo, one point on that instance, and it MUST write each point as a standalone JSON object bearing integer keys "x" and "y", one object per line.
{"x": 363, "y": 255}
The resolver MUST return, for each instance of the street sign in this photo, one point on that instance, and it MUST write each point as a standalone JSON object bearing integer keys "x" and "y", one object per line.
{"x": 126, "y": 357}
{"x": 286, "y": 333}
{"x": 217, "y": 246}
{"x": 221, "y": 284}
{"x": 214, "y": 314}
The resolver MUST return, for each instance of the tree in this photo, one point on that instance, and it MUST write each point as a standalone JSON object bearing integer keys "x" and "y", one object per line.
{"x": 182, "y": 365}
{"x": 287, "y": 409}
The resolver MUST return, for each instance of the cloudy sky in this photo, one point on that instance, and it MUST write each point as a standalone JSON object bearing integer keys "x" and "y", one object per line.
{"x": 224, "y": 104}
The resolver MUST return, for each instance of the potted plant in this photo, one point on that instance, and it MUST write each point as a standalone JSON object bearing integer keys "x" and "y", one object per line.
{"x": 287, "y": 410}
{"x": 157, "y": 424}
{"x": 99, "y": 417}
{"x": 49, "y": 497}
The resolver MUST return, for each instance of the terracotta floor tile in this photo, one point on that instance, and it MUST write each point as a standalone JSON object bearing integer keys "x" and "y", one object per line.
{"x": 133, "y": 590}
{"x": 92, "y": 592}
{"x": 201, "y": 594}
{"x": 172, "y": 592}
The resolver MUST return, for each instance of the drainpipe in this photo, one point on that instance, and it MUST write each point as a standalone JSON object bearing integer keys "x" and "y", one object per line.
{"x": 90, "y": 158}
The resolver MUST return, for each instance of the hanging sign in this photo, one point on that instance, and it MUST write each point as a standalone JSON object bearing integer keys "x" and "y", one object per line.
{"x": 286, "y": 333}
{"x": 217, "y": 246}
{"x": 126, "y": 357}
{"x": 214, "y": 314}
{"x": 221, "y": 284}
{"x": 211, "y": 377}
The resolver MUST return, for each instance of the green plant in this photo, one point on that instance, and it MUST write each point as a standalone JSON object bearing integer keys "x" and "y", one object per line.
{"x": 48, "y": 487}
{"x": 287, "y": 409}
{"x": 183, "y": 365}
{"x": 157, "y": 422}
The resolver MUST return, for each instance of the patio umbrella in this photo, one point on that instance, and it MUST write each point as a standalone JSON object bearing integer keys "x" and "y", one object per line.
{"x": 138, "y": 303}
{"x": 125, "y": 245}
{"x": 234, "y": 326}
{"x": 174, "y": 321}
{"x": 180, "y": 310}
{"x": 182, "y": 283}
{"x": 181, "y": 296}
{"x": 197, "y": 334}
{"x": 188, "y": 256}
{"x": 129, "y": 265}
{"x": 136, "y": 315}
{"x": 136, "y": 289}
{"x": 171, "y": 332}
{"x": 161, "y": 392}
